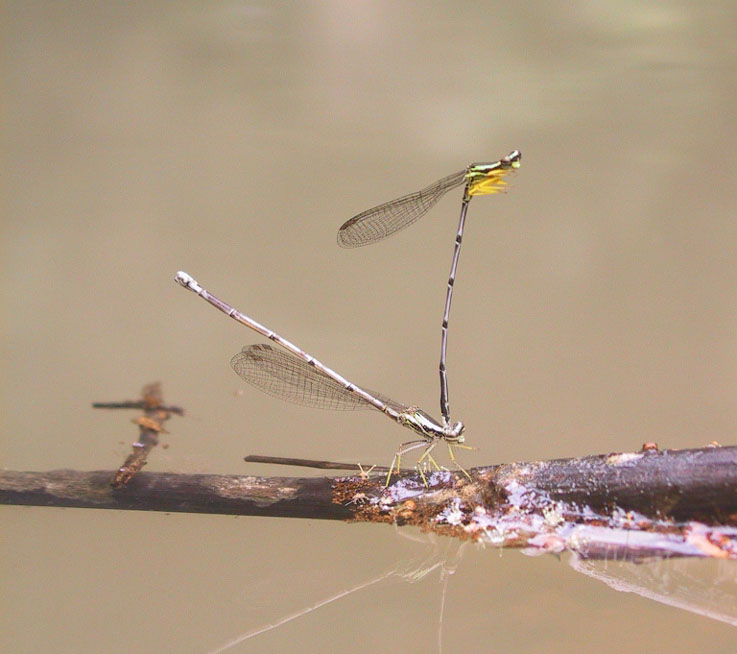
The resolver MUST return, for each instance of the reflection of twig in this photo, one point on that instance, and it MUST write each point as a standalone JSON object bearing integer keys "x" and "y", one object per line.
{"x": 150, "y": 424}
{"x": 632, "y": 505}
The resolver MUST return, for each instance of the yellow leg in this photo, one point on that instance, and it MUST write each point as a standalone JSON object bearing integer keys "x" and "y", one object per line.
{"x": 431, "y": 460}
{"x": 426, "y": 453}
{"x": 422, "y": 474}
{"x": 453, "y": 458}
{"x": 397, "y": 460}
{"x": 391, "y": 467}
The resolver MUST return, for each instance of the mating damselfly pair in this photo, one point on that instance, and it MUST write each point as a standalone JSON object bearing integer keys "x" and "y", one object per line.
{"x": 298, "y": 377}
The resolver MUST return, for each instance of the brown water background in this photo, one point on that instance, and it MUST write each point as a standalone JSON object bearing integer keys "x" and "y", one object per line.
{"x": 595, "y": 306}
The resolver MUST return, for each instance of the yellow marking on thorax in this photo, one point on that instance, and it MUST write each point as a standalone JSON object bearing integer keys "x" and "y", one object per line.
{"x": 486, "y": 182}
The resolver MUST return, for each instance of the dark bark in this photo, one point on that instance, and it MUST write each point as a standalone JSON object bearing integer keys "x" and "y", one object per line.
{"x": 680, "y": 485}
{"x": 698, "y": 484}
{"x": 161, "y": 491}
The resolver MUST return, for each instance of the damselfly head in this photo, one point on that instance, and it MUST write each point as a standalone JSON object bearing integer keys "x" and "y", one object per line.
{"x": 513, "y": 159}
{"x": 455, "y": 433}
{"x": 488, "y": 178}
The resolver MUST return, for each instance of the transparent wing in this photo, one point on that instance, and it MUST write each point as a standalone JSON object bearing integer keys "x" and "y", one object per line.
{"x": 286, "y": 376}
{"x": 386, "y": 219}
{"x": 705, "y": 587}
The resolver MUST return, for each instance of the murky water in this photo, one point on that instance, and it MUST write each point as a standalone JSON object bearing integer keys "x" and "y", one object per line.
{"x": 595, "y": 302}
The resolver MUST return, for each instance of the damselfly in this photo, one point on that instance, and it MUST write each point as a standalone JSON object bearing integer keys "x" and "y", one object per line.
{"x": 388, "y": 218}
{"x": 298, "y": 377}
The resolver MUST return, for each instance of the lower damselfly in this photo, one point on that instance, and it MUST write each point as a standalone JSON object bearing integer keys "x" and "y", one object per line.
{"x": 298, "y": 377}
{"x": 386, "y": 219}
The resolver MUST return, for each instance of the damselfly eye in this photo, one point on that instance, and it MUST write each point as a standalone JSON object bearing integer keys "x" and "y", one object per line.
{"x": 513, "y": 159}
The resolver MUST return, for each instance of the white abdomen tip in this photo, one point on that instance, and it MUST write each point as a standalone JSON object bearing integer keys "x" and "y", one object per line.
{"x": 185, "y": 279}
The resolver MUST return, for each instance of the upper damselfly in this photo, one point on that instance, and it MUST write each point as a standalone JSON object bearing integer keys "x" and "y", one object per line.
{"x": 388, "y": 218}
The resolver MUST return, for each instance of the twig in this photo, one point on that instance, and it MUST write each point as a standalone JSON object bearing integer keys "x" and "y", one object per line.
{"x": 137, "y": 404}
{"x": 312, "y": 463}
{"x": 151, "y": 400}
{"x": 151, "y": 424}
{"x": 632, "y": 505}
{"x": 161, "y": 491}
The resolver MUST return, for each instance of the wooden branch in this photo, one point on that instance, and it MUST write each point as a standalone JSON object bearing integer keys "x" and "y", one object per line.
{"x": 638, "y": 504}
{"x": 165, "y": 491}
